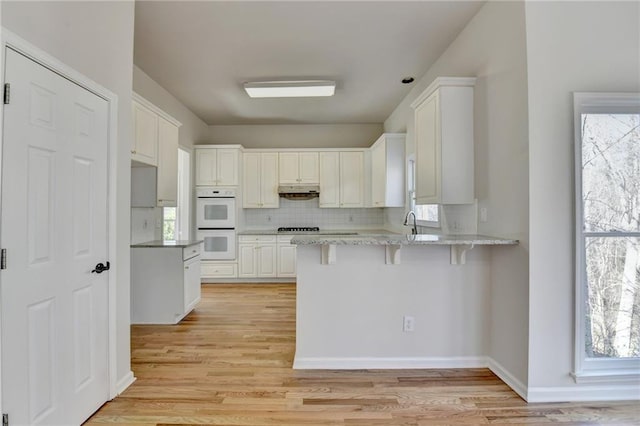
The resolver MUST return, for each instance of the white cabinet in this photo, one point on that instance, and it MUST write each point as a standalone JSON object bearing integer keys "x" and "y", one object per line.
{"x": 167, "y": 190}
{"x": 257, "y": 256}
{"x": 387, "y": 171}
{"x": 214, "y": 270}
{"x": 260, "y": 180}
{"x": 342, "y": 179}
{"x": 145, "y": 137}
{"x": 286, "y": 257}
{"x": 217, "y": 166}
{"x": 298, "y": 168}
{"x": 155, "y": 144}
{"x": 444, "y": 142}
{"x": 165, "y": 283}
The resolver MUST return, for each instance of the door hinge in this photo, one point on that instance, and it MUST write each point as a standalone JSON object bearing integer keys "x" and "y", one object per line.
{"x": 3, "y": 259}
{"x": 5, "y": 419}
{"x": 7, "y": 93}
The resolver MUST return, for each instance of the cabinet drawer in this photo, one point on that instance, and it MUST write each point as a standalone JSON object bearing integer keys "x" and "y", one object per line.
{"x": 219, "y": 270}
{"x": 257, "y": 238}
{"x": 191, "y": 251}
{"x": 285, "y": 239}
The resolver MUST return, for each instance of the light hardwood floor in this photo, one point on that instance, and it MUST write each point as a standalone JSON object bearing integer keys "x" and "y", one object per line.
{"x": 229, "y": 363}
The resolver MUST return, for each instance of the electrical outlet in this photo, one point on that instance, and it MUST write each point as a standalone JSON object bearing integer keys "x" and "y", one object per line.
{"x": 408, "y": 323}
{"x": 268, "y": 218}
{"x": 483, "y": 214}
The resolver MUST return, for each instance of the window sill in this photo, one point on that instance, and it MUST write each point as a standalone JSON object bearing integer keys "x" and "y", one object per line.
{"x": 598, "y": 376}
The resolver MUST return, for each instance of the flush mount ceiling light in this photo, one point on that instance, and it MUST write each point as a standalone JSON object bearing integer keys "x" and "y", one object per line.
{"x": 290, "y": 89}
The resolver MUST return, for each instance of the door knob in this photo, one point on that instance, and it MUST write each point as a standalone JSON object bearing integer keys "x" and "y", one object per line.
{"x": 100, "y": 268}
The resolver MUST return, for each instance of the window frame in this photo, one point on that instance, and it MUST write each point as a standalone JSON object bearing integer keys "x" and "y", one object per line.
{"x": 411, "y": 194}
{"x": 592, "y": 369}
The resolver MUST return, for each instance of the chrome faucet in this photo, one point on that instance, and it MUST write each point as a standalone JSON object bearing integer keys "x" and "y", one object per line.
{"x": 414, "y": 230}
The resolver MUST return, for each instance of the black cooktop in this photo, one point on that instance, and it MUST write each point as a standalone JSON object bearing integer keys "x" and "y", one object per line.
{"x": 299, "y": 229}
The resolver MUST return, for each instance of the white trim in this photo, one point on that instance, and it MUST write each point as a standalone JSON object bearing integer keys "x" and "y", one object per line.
{"x": 357, "y": 363}
{"x": 516, "y": 385}
{"x": 608, "y": 376}
{"x": 147, "y": 104}
{"x": 443, "y": 82}
{"x": 605, "y": 369}
{"x": 124, "y": 383}
{"x": 584, "y": 393}
{"x": 18, "y": 44}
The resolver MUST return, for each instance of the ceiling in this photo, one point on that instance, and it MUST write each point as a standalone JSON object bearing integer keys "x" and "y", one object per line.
{"x": 202, "y": 52}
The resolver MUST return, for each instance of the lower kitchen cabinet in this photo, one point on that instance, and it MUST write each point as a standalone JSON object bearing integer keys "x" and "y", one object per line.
{"x": 257, "y": 256}
{"x": 217, "y": 270}
{"x": 286, "y": 257}
{"x": 165, "y": 282}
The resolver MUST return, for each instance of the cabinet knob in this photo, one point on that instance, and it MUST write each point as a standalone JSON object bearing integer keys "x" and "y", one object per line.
{"x": 186, "y": 267}
{"x": 133, "y": 151}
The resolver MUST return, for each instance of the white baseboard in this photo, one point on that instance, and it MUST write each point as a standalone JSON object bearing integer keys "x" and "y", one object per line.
{"x": 357, "y": 363}
{"x": 516, "y": 385}
{"x": 584, "y": 393}
{"x": 125, "y": 382}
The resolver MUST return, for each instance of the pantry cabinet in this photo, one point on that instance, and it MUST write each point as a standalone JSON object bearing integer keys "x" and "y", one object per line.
{"x": 216, "y": 166}
{"x": 342, "y": 179}
{"x": 444, "y": 142}
{"x": 298, "y": 168}
{"x": 387, "y": 171}
{"x": 260, "y": 180}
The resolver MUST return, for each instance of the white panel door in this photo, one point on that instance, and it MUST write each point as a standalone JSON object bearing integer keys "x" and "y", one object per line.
{"x": 54, "y": 227}
{"x": 247, "y": 260}
{"x": 269, "y": 180}
{"x": 227, "y": 165}
{"x": 266, "y": 259}
{"x": 329, "y": 179}
{"x": 167, "y": 186}
{"x": 206, "y": 167}
{"x": 309, "y": 167}
{"x": 427, "y": 152}
{"x": 351, "y": 179}
{"x": 378, "y": 174}
{"x": 286, "y": 260}
{"x": 251, "y": 181}
{"x": 288, "y": 165}
{"x": 145, "y": 147}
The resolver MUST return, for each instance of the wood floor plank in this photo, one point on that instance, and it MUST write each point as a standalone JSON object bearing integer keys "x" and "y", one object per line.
{"x": 229, "y": 363}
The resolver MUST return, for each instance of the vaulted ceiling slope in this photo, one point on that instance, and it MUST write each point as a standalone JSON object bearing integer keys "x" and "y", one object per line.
{"x": 202, "y": 52}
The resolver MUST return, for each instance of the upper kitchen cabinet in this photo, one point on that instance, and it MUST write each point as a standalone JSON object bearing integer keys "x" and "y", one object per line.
{"x": 387, "y": 171}
{"x": 444, "y": 142}
{"x": 217, "y": 165}
{"x": 298, "y": 168}
{"x": 145, "y": 140}
{"x": 260, "y": 180}
{"x": 342, "y": 179}
{"x": 156, "y": 132}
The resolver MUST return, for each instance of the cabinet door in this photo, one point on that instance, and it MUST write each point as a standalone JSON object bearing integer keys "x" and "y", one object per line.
{"x": 288, "y": 168}
{"x": 309, "y": 170}
{"x": 266, "y": 260}
{"x": 329, "y": 179}
{"x": 251, "y": 189}
{"x": 227, "y": 167}
{"x": 351, "y": 179}
{"x": 167, "y": 190}
{"x": 206, "y": 167}
{"x": 191, "y": 283}
{"x": 286, "y": 260}
{"x": 269, "y": 181}
{"x": 145, "y": 145}
{"x": 427, "y": 151}
{"x": 378, "y": 174}
{"x": 247, "y": 260}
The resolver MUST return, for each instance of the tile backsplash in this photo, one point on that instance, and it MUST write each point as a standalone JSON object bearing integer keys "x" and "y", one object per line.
{"x": 307, "y": 213}
{"x": 143, "y": 224}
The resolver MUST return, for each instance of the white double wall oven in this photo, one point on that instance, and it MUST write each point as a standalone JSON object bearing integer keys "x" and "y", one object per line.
{"x": 216, "y": 222}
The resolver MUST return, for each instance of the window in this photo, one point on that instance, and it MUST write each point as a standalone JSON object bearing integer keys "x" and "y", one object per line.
{"x": 175, "y": 220}
{"x": 426, "y": 214}
{"x": 607, "y": 131}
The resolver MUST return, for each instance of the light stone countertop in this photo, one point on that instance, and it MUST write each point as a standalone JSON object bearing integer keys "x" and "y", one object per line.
{"x": 386, "y": 239}
{"x": 322, "y": 232}
{"x": 166, "y": 244}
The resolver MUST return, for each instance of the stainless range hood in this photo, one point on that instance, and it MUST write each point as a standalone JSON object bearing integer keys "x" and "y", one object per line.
{"x": 299, "y": 192}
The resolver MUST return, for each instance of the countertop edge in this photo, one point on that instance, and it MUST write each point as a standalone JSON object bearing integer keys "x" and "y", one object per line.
{"x": 402, "y": 240}
{"x": 166, "y": 244}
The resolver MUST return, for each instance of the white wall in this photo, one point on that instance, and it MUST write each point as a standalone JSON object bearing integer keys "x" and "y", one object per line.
{"x": 572, "y": 46}
{"x": 96, "y": 39}
{"x": 297, "y": 135}
{"x": 193, "y": 130}
{"x": 492, "y": 48}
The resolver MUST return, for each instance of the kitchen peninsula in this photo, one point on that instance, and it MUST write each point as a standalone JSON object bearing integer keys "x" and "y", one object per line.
{"x": 393, "y": 301}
